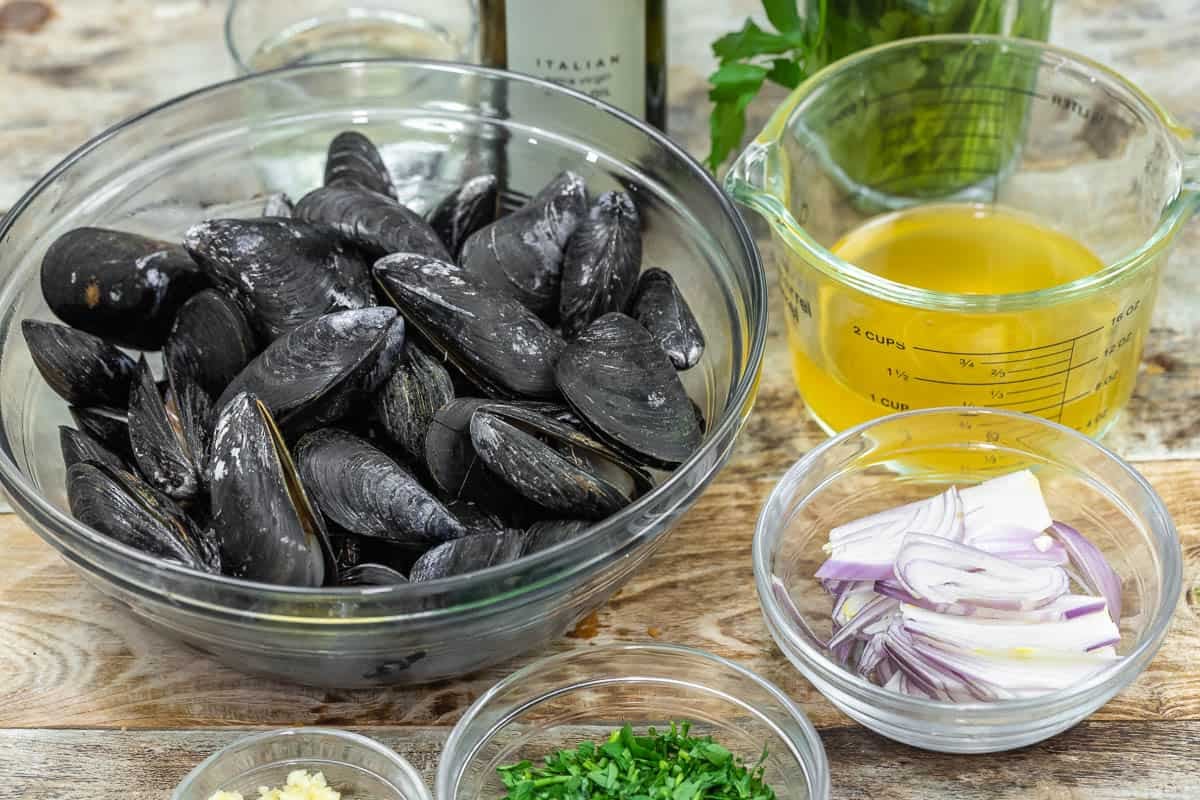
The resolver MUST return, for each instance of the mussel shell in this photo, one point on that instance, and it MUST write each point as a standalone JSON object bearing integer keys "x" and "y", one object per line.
{"x": 494, "y": 339}
{"x": 268, "y": 528}
{"x": 118, "y": 505}
{"x": 190, "y": 407}
{"x": 563, "y": 430}
{"x": 540, "y": 473}
{"x": 277, "y": 204}
{"x": 364, "y": 491}
{"x": 107, "y": 426}
{"x": 454, "y": 465}
{"x": 286, "y": 271}
{"x": 374, "y": 223}
{"x": 659, "y": 306}
{"x": 601, "y": 264}
{"x": 468, "y": 554}
{"x": 83, "y": 369}
{"x": 305, "y": 377}
{"x": 522, "y": 253}
{"x": 622, "y": 384}
{"x": 120, "y": 286}
{"x": 211, "y": 340}
{"x": 371, "y": 575}
{"x": 354, "y": 160}
{"x": 77, "y": 447}
{"x": 160, "y": 447}
{"x": 474, "y": 517}
{"x": 467, "y": 209}
{"x": 405, "y": 406}
{"x": 544, "y": 534}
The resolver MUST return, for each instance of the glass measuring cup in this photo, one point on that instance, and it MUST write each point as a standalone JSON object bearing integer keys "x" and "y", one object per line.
{"x": 962, "y": 118}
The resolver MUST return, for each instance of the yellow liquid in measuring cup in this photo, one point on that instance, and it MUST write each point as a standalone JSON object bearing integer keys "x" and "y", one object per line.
{"x": 857, "y": 357}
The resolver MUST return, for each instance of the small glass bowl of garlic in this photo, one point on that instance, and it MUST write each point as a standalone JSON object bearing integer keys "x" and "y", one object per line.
{"x": 303, "y": 764}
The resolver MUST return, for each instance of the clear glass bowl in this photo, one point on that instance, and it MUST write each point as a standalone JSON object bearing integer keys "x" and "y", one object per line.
{"x": 358, "y": 767}
{"x": 904, "y": 457}
{"x": 216, "y": 152}
{"x": 585, "y": 695}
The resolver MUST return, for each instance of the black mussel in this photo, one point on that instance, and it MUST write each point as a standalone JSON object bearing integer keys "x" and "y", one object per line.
{"x": 468, "y": 554}
{"x": 354, "y": 160}
{"x": 474, "y": 517}
{"x": 83, "y": 369}
{"x": 660, "y": 308}
{"x": 406, "y": 403}
{"x": 371, "y": 575}
{"x": 346, "y": 547}
{"x": 277, "y": 204}
{"x": 287, "y": 271}
{"x": 311, "y": 375}
{"x": 373, "y": 222}
{"x": 78, "y": 447}
{"x": 211, "y": 340}
{"x": 601, "y": 265}
{"x": 622, "y": 384}
{"x": 473, "y": 205}
{"x": 539, "y": 473}
{"x": 395, "y": 344}
{"x": 498, "y": 342}
{"x": 107, "y": 426}
{"x": 522, "y": 253}
{"x": 455, "y": 467}
{"x": 122, "y": 507}
{"x": 190, "y": 407}
{"x": 120, "y": 286}
{"x": 361, "y": 489}
{"x": 544, "y": 534}
{"x": 268, "y": 529}
{"x": 552, "y": 465}
{"x": 161, "y": 448}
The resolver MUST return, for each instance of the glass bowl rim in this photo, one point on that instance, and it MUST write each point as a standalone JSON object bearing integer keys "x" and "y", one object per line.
{"x": 357, "y": 739}
{"x": 737, "y": 408}
{"x": 1170, "y": 222}
{"x": 810, "y": 749}
{"x": 1118, "y": 674}
{"x": 236, "y": 53}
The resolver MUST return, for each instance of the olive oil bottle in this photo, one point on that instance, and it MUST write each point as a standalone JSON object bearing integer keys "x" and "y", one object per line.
{"x": 613, "y": 50}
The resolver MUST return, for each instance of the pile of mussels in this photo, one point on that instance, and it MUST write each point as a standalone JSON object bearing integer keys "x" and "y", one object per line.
{"x": 354, "y": 394}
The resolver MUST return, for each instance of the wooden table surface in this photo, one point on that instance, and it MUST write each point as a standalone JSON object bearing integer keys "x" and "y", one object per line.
{"x": 92, "y": 705}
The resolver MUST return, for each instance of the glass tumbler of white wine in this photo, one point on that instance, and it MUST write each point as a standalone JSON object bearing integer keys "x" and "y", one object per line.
{"x": 268, "y": 34}
{"x": 274, "y": 34}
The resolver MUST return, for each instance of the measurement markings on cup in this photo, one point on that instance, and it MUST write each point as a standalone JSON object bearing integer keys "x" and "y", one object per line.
{"x": 1041, "y": 375}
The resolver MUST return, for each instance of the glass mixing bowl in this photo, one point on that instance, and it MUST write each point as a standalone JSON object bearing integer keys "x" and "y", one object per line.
{"x": 583, "y": 696}
{"x": 903, "y": 457}
{"x": 216, "y": 152}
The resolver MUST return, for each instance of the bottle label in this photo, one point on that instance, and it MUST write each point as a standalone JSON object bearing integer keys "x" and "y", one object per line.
{"x": 595, "y": 46}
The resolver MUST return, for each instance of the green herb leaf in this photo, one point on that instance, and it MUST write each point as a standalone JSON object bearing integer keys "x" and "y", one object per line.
{"x": 785, "y": 72}
{"x": 784, "y": 14}
{"x": 671, "y": 765}
{"x": 749, "y": 42}
{"x": 732, "y": 80}
{"x": 726, "y": 126}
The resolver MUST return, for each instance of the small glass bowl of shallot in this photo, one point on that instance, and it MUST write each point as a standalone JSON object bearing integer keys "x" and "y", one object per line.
{"x": 986, "y": 579}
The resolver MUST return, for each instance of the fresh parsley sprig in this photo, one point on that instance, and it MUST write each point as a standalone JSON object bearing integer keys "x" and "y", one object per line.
{"x": 752, "y": 56}
{"x": 671, "y": 765}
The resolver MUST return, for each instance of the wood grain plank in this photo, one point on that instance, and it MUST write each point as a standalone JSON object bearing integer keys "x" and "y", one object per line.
{"x": 1090, "y": 762}
{"x": 72, "y": 659}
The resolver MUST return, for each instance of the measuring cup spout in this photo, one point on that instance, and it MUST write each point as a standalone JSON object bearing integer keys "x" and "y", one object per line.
{"x": 755, "y": 181}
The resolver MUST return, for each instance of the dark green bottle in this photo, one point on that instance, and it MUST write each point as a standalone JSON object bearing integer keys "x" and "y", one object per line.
{"x": 614, "y": 50}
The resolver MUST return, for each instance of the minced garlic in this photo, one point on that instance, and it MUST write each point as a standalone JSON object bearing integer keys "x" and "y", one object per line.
{"x": 300, "y": 786}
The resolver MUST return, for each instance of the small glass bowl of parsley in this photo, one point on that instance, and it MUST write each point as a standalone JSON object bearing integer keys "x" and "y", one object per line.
{"x": 655, "y": 721}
